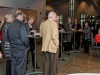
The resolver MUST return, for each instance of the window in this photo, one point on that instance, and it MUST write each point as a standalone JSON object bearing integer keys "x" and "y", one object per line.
{"x": 71, "y": 8}
{"x": 60, "y": 18}
{"x": 84, "y": 17}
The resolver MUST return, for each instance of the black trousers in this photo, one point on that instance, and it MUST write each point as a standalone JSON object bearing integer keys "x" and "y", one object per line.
{"x": 18, "y": 62}
{"x": 33, "y": 59}
{"x": 8, "y": 67}
{"x": 76, "y": 40}
{"x": 67, "y": 46}
{"x": 32, "y": 48}
{"x": 98, "y": 44}
{"x": 60, "y": 45}
{"x": 86, "y": 46}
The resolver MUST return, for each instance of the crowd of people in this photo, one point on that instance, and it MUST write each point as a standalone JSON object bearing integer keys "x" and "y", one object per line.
{"x": 16, "y": 44}
{"x": 79, "y": 32}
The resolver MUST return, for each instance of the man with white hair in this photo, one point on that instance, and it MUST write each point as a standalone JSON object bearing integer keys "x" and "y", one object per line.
{"x": 50, "y": 44}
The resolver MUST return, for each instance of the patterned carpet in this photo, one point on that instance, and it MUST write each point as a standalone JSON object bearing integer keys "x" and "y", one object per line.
{"x": 83, "y": 63}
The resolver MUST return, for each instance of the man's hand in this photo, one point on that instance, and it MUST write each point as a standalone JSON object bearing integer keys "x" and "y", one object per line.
{"x": 80, "y": 29}
{"x": 57, "y": 47}
{"x": 0, "y": 55}
{"x": 73, "y": 29}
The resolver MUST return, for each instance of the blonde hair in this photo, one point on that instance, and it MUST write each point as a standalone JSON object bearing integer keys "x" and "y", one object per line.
{"x": 7, "y": 17}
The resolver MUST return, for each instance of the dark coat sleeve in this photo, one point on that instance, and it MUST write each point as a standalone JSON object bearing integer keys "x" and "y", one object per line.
{"x": 24, "y": 36}
{"x": 79, "y": 26}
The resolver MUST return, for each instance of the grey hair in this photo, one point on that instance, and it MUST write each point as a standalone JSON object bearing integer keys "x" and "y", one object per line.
{"x": 51, "y": 14}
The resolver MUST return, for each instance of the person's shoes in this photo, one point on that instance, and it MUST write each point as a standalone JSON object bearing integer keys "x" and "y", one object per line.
{"x": 68, "y": 53}
{"x": 33, "y": 70}
{"x": 81, "y": 46}
{"x": 59, "y": 56}
{"x": 84, "y": 51}
{"x": 37, "y": 67}
{"x": 77, "y": 48}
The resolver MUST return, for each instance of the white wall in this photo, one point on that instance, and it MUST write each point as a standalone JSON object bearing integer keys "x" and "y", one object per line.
{"x": 61, "y": 7}
{"x": 38, "y": 5}
{"x": 4, "y": 11}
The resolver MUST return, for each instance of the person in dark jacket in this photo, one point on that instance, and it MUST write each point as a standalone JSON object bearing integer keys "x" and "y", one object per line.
{"x": 7, "y": 20}
{"x": 19, "y": 44}
{"x": 61, "y": 29}
{"x": 86, "y": 32}
{"x": 68, "y": 37}
{"x": 76, "y": 37}
{"x": 30, "y": 31}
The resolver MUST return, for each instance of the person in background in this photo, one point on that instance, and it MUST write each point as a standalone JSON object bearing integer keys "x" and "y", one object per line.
{"x": 0, "y": 24}
{"x": 89, "y": 23}
{"x": 86, "y": 32}
{"x": 61, "y": 29}
{"x": 76, "y": 28}
{"x": 68, "y": 37}
{"x": 0, "y": 55}
{"x": 97, "y": 37}
{"x": 0, "y": 33}
{"x": 19, "y": 44}
{"x": 96, "y": 25}
{"x": 30, "y": 31}
{"x": 44, "y": 19}
{"x": 7, "y": 21}
{"x": 0, "y": 38}
{"x": 25, "y": 18}
{"x": 50, "y": 43}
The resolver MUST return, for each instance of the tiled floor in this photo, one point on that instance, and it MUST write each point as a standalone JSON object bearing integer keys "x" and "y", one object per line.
{"x": 77, "y": 63}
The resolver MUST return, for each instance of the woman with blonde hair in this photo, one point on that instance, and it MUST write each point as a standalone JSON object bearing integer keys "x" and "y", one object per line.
{"x": 7, "y": 20}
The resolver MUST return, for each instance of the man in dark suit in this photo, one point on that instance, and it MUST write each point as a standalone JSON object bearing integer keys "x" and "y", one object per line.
{"x": 19, "y": 44}
{"x": 76, "y": 27}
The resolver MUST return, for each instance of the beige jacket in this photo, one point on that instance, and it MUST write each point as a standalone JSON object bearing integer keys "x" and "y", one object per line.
{"x": 50, "y": 36}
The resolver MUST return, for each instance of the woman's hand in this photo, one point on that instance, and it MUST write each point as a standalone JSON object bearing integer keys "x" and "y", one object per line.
{"x": 34, "y": 31}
